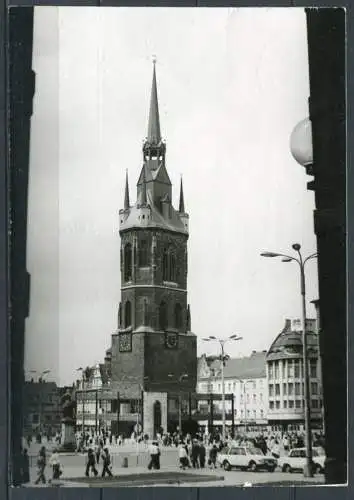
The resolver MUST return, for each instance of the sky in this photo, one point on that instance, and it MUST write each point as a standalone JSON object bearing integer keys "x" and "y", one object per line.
{"x": 232, "y": 85}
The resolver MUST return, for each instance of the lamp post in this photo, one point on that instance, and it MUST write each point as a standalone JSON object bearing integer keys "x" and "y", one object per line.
{"x": 308, "y": 469}
{"x": 83, "y": 402}
{"x": 182, "y": 377}
{"x": 223, "y": 358}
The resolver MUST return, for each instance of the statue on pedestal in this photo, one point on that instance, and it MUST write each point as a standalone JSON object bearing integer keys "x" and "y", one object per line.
{"x": 68, "y": 440}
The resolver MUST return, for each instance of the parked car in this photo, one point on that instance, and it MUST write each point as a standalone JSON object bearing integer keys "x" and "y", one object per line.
{"x": 246, "y": 458}
{"x": 296, "y": 460}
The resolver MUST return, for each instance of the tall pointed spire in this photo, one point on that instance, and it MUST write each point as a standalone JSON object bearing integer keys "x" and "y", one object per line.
{"x": 154, "y": 134}
{"x": 126, "y": 196}
{"x": 143, "y": 192}
{"x": 181, "y": 200}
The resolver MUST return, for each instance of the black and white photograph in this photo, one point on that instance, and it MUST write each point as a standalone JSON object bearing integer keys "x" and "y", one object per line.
{"x": 185, "y": 249}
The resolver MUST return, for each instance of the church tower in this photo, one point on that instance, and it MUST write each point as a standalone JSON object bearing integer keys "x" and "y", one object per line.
{"x": 154, "y": 346}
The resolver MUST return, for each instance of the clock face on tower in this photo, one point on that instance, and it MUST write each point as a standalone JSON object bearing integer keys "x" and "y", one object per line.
{"x": 171, "y": 340}
{"x": 125, "y": 342}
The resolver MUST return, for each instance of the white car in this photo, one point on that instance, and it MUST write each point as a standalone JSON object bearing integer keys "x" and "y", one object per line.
{"x": 246, "y": 457}
{"x": 296, "y": 460}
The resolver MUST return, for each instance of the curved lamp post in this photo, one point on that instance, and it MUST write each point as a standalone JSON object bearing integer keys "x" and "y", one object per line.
{"x": 308, "y": 469}
{"x": 182, "y": 377}
{"x": 223, "y": 358}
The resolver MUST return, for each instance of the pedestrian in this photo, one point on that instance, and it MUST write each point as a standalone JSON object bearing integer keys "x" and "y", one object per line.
{"x": 25, "y": 467}
{"x": 41, "y": 465}
{"x": 154, "y": 456}
{"x": 183, "y": 456}
{"x": 202, "y": 453}
{"x": 98, "y": 449}
{"x": 212, "y": 456}
{"x": 91, "y": 463}
{"x": 106, "y": 459}
{"x": 54, "y": 462}
{"x": 275, "y": 449}
{"x": 195, "y": 454}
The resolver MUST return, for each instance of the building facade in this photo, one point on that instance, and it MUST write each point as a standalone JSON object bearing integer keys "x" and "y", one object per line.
{"x": 42, "y": 410}
{"x": 245, "y": 380}
{"x": 285, "y": 377}
{"x": 153, "y": 349}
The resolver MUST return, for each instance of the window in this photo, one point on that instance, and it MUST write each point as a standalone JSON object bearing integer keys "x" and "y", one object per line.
{"x": 163, "y": 316}
{"x": 290, "y": 369}
{"x": 291, "y": 389}
{"x": 241, "y": 413}
{"x": 248, "y": 413}
{"x": 248, "y": 398}
{"x": 313, "y": 368}
{"x": 262, "y": 413}
{"x": 143, "y": 253}
{"x": 314, "y": 388}
{"x": 254, "y": 398}
{"x": 297, "y": 369}
{"x": 261, "y": 397}
{"x": 291, "y": 404}
{"x": 297, "y": 389}
{"x": 298, "y": 403}
{"x": 283, "y": 365}
{"x": 234, "y": 386}
{"x": 276, "y": 370}
{"x": 165, "y": 265}
{"x": 35, "y": 418}
{"x": 277, "y": 389}
{"x": 219, "y": 387}
{"x": 261, "y": 384}
{"x": 277, "y": 405}
{"x": 128, "y": 314}
{"x": 229, "y": 387}
{"x": 128, "y": 262}
{"x": 254, "y": 414}
{"x": 172, "y": 267}
{"x": 235, "y": 413}
{"x": 241, "y": 398}
{"x": 271, "y": 390}
{"x": 270, "y": 371}
{"x": 285, "y": 404}
{"x": 178, "y": 316}
{"x": 271, "y": 405}
{"x": 285, "y": 389}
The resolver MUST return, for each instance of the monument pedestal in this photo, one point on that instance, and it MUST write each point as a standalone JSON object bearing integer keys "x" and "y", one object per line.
{"x": 68, "y": 439}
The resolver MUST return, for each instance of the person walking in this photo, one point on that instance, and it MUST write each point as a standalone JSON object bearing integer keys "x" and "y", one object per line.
{"x": 106, "y": 459}
{"x": 41, "y": 465}
{"x": 154, "y": 456}
{"x": 212, "y": 456}
{"x": 91, "y": 463}
{"x": 183, "y": 456}
{"x": 202, "y": 454}
{"x": 54, "y": 462}
{"x": 195, "y": 454}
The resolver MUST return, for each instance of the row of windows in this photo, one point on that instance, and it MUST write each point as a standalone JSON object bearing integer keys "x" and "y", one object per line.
{"x": 229, "y": 386}
{"x": 163, "y": 315}
{"x": 291, "y": 389}
{"x": 290, "y": 369}
{"x": 169, "y": 267}
{"x": 298, "y": 403}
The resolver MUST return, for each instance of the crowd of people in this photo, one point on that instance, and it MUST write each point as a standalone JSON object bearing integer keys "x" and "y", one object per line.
{"x": 193, "y": 451}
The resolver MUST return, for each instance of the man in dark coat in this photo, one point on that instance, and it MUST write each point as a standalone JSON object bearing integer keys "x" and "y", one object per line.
{"x": 202, "y": 453}
{"x": 106, "y": 458}
{"x": 91, "y": 463}
{"x": 195, "y": 454}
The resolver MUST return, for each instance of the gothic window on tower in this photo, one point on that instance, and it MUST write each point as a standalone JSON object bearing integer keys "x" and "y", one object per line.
{"x": 165, "y": 265}
{"x": 178, "y": 316}
{"x": 163, "y": 316}
{"x": 143, "y": 253}
{"x": 128, "y": 314}
{"x": 172, "y": 267}
{"x": 128, "y": 262}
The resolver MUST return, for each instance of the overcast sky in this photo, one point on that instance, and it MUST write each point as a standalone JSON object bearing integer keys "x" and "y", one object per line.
{"x": 232, "y": 84}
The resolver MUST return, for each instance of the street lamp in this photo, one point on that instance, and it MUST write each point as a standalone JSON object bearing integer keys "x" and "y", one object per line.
{"x": 182, "y": 377}
{"x": 308, "y": 469}
{"x": 223, "y": 357}
{"x": 83, "y": 402}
